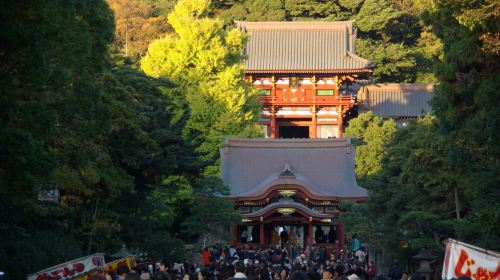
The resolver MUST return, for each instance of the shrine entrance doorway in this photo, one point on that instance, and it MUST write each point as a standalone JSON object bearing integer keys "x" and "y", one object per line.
{"x": 286, "y": 234}
{"x": 293, "y": 131}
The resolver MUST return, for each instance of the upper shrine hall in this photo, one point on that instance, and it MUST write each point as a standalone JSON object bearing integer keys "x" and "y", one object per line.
{"x": 304, "y": 71}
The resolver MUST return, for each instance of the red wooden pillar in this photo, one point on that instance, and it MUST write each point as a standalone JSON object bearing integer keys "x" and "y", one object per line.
{"x": 340, "y": 232}
{"x": 340, "y": 121}
{"x": 313, "y": 133}
{"x": 309, "y": 235}
{"x": 273, "y": 122}
{"x": 338, "y": 83}
{"x": 262, "y": 236}
{"x": 234, "y": 234}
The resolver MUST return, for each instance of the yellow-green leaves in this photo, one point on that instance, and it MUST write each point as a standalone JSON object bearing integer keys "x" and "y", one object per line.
{"x": 156, "y": 63}
{"x": 205, "y": 61}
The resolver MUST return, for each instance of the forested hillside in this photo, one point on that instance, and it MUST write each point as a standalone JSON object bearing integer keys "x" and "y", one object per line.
{"x": 390, "y": 33}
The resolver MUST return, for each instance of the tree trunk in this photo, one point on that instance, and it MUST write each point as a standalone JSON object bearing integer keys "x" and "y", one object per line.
{"x": 457, "y": 203}
{"x": 91, "y": 234}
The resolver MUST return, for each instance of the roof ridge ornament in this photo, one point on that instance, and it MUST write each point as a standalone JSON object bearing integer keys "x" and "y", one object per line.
{"x": 287, "y": 172}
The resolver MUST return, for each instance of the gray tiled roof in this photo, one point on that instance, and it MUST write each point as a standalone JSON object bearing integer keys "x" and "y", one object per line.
{"x": 396, "y": 100}
{"x": 302, "y": 47}
{"x": 324, "y": 166}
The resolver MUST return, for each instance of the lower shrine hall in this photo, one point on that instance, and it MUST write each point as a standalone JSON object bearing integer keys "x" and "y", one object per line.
{"x": 288, "y": 190}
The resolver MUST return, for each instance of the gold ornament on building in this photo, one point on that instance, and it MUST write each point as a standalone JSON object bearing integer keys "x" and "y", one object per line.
{"x": 286, "y": 211}
{"x": 287, "y": 193}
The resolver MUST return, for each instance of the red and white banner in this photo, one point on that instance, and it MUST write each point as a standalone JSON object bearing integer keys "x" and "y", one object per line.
{"x": 462, "y": 259}
{"x": 70, "y": 269}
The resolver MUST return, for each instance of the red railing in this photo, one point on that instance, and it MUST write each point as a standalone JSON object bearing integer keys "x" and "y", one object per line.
{"x": 299, "y": 98}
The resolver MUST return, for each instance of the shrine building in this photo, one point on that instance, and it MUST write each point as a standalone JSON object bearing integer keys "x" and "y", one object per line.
{"x": 288, "y": 185}
{"x": 305, "y": 72}
{"x": 400, "y": 102}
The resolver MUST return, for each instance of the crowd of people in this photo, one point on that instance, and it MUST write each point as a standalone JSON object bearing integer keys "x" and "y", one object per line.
{"x": 274, "y": 263}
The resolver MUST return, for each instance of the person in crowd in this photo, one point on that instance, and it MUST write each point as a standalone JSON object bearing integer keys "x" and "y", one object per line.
{"x": 284, "y": 236}
{"x": 161, "y": 275}
{"x": 356, "y": 244}
{"x": 244, "y": 236}
{"x": 132, "y": 275}
{"x": 327, "y": 274}
{"x": 263, "y": 264}
{"x": 277, "y": 257}
{"x": 283, "y": 274}
{"x": 145, "y": 275}
{"x": 332, "y": 234}
{"x": 239, "y": 272}
{"x": 319, "y": 235}
{"x": 164, "y": 266}
{"x": 110, "y": 275}
{"x": 205, "y": 274}
{"x": 372, "y": 271}
{"x": 360, "y": 255}
{"x": 121, "y": 271}
{"x": 396, "y": 273}
{"x": 206, "y": 256}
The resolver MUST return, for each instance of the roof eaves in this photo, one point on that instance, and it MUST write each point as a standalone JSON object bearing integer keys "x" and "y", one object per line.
{"x": 307, "y": 71}
{"x": 295, "y": 25}
{"x": 370, "y": 64}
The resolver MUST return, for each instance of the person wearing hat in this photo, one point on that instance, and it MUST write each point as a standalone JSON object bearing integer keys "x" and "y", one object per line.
{"x": 239, "y": 272}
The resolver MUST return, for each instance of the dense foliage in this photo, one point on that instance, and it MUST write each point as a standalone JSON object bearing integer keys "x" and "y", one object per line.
{"x": 438, "y": 177}
{"x": 467, "y": 107}
{"x": 109, "y": 138}
{"x": 412, "y": 202}
{"x": 205, "y": 61}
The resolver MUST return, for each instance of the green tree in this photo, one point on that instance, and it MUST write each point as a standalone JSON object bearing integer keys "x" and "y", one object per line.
{"x": 411, "y": 186}
{"x": 374, "y": 134}
{"x": 466, "y": 105}
{"x": 146, "y": 141}
{"x": 311, "y": 9}
{"x": 258, "y": 10}
{"x": 205, "y": 61}
{"x": 54, "y": 125}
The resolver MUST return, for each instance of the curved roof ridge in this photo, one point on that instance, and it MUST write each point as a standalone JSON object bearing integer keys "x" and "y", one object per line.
{"x": 287, "y": 204}
{"x": 275, "y": 179}
{"x": 320, "y": 166}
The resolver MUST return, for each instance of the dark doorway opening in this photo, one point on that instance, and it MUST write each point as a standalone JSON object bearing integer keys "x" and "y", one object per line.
{"x": 294, "y": 131}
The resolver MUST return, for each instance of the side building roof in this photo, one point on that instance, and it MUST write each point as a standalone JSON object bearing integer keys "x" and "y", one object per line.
{"x": 302, "y": 47}
{"x": 396, "y": 100}
{"x": 324, "y": 166}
